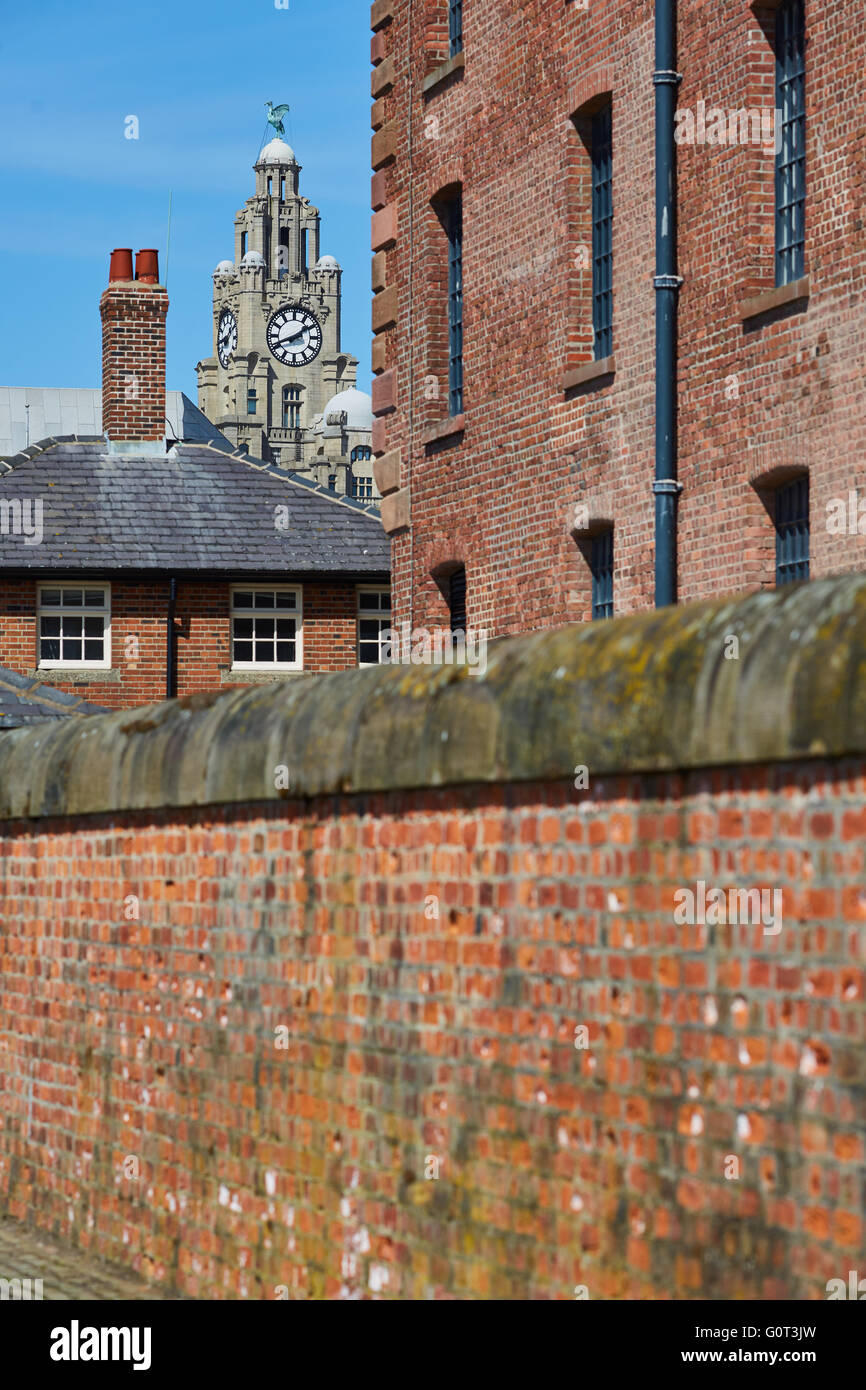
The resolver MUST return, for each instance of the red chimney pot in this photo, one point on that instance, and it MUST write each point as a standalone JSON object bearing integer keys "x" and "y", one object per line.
{"x": 147, "y": 267}
{"x": 120, "y": 267}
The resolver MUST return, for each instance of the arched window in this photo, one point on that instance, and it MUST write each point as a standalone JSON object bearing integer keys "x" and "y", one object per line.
{"x": 792, "y": 531}
{"x": 601, "y": 565}
{"x": 361, "y": 453}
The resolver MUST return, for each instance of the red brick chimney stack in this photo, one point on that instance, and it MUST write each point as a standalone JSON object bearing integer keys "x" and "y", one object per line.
{"x": 133, "y": 350}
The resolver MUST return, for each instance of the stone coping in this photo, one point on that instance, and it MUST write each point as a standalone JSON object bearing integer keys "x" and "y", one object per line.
{"x": 653, "y": 692}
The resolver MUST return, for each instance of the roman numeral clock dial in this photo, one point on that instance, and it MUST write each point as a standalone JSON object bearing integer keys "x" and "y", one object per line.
{"x": 294, "y": 335}
{"x": 227, "y": 336}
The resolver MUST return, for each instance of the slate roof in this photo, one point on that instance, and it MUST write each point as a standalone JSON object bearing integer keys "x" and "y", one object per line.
{"x": 201, "y": 507}
{"x": 73, "y": 410}
{"x": 24, "y": 701}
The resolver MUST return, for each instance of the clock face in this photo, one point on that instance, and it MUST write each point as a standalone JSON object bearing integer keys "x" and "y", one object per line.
{"x": 227, "y": 336}
{"x": 294, "y": 335}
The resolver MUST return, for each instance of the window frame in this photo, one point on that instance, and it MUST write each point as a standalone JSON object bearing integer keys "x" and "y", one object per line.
{"x": 292, "y": 401}
{"x": 601, "y": 179}
{"x": 459, "y": 570}
{"x": 62, "y": 663}
{"x": 297, "y": 613}
{"x": 455, "y": 27}
{"x": 356, "y": 479}
{"x": 790, "y": 169}
{"x": 601, "y": 565}
{"x": 383, "y": 617}
{"x": 793, "y": 495}
{"x": 453, "y": 216}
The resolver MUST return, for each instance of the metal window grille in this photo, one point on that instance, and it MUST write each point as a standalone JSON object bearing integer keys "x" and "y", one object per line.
{"x": 455, "y": 26}
{"x": 792, "y": 532}
{"x": 457, "y": 600}
{"x": 601, "y": 564}
{"x": 602, "y": 233}
{"x": 791, "y": 158}
{"x": 455, "y": 306}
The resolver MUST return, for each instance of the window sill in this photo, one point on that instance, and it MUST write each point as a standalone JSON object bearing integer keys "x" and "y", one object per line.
{"x": 77, "y": 675}
{"x": 441, "y": 74}
{"x": 236, "y": 677}
{"x": 780, "y": 297}
{"x": 589, "y": 373}
{"x": 444, "y": 429}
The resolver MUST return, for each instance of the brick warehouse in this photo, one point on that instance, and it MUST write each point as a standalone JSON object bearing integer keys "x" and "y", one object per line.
{"x": 130, "y": 570}
{"x": 513, "y": 147}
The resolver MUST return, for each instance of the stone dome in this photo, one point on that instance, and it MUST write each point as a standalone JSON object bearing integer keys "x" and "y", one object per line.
{"x": 253, "y": 258}
{"x": 225, "y": 268}
{"x": 356, "y": 406}
{"x": 327, "y": 263}
{"x": 277, "y": 152}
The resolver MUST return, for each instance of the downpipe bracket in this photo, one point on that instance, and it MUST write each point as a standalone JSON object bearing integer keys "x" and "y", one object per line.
{"x": 666, "y": 77}
{"x": 667, "y": 282}
{"x": 667, "y": 486}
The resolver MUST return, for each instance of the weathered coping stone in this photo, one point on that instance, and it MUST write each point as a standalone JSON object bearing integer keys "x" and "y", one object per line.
{"x": 649, "y": 693}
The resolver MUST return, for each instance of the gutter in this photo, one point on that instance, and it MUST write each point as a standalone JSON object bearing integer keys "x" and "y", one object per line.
{"x": 171, "y": 642}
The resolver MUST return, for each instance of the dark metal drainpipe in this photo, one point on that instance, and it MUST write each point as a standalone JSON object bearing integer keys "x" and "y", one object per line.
{"x": 170, "y": 643}
{"x": 667, "y": 283}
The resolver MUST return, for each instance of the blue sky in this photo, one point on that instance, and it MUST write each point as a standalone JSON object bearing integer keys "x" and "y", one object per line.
{"x": 197, "y": 76}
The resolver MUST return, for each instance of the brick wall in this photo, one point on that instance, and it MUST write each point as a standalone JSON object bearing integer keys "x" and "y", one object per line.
{"x": 331, "y": 1046}
{"x": 446, "y": 1043}
{"x": 761, "y": 395}
{"x": 139, "y": 609}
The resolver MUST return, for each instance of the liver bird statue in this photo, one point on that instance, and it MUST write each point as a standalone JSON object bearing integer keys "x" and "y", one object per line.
{"x": 275, "y": 117}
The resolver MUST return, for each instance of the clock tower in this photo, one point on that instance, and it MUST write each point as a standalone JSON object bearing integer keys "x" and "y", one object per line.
{"x": 275, "y": 381}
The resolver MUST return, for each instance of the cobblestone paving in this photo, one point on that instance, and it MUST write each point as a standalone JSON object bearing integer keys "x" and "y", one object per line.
{"x": 66, "y": 1273}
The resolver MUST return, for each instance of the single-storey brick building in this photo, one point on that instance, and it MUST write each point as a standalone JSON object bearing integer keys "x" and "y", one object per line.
{"x": 130, "y": 571}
